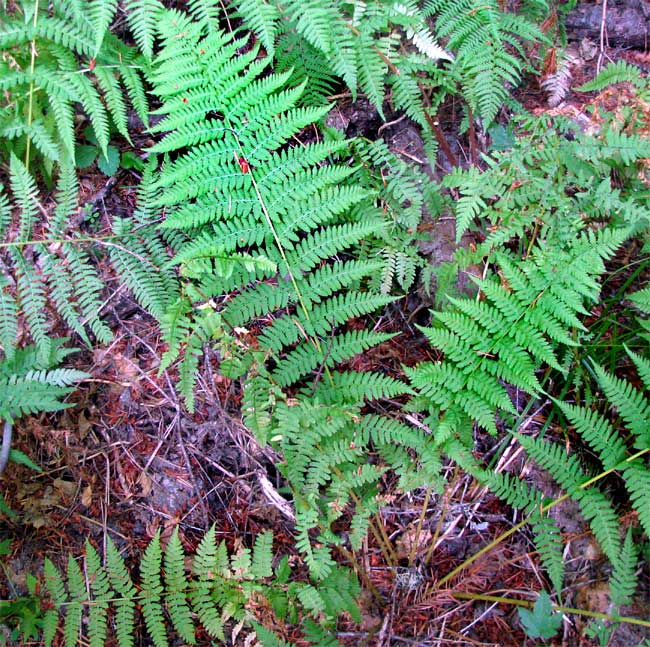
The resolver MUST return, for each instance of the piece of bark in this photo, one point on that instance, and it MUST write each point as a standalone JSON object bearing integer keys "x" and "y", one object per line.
{"x": 627, "y": 23}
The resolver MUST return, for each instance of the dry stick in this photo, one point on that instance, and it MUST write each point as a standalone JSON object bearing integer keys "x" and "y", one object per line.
{"x": 425, "y": 505}
{"x": 473, "y": 150}
{"x": 6, "y": 445}
{"x": 603, "y": 36}
{"x": 437, "y": 131}
{"x": 543, "y": 509}
{"x": 441, "y": 519}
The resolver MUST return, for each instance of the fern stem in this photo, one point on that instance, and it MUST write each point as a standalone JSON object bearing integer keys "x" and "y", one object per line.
{"x": 384, "y": 540}
{"x": 425, "y": 505}
{"x": 363, "y": 575}
{"x": 521, "y": 524}
{"x": 528, "y": 604}
{"x": 443, "y": 514}
{"x": 30, "y": 107}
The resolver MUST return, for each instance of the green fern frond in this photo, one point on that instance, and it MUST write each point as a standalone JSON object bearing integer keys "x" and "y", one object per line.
{"x": 481, "y": 36}
{"x": 152, "y": 592}
{"x": 631, "y": 404}
{"x": 142, "y": 19}
{"x": 45, "y": 90}
{"x": 612, "y": 73}
{"x": 101, "y": 14}
{"x": 623, "y": 582}
{"x": 74, "y": 608}
{"x": 263, "y": 18}
{"x": 548, "y": 542}
{"x": 175, "y": 589}
{"x": 102, "y": 593}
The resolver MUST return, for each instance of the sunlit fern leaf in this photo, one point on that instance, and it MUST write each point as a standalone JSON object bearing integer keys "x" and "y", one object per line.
{"x": 598, "y": 432}
{"x": 262, "y": 17}
{"x": 101, "y": 14}
{"x": 206, "y": 11}
{"x": 514, "y": 491}
{"x": 313, "y": 20}
{"x": 637, "y": 483}
{"x": 594, "y": 505}
{"x": 255, "y": 192}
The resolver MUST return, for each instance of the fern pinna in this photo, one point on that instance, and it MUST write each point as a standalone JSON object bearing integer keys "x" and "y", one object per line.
{"x": 57, "y": 56}
{"x": 49, "y": 263}
{"x": 219, "y": 589}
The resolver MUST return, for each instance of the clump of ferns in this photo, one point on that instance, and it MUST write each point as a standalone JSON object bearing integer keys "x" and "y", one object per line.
{"x": 181, "y": 595}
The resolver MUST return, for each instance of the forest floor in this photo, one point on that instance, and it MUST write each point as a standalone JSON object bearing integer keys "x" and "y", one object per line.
{"x": 129, "y": 460}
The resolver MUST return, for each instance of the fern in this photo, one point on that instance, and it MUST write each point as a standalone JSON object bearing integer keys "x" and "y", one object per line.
{"x": 273, "y": 202}
{"x": 218, "y": 589}
{"x": 488, "y": 44}
{"x": 549, "y": 547}
{"x": 141, "y": 16}
{"x": 45, "y": 88}
{"x": 531, "y": 312}
{"x": 619, "y": 72}
{"x": 31, "y": 382}
{"x": 513, "y": 331}
{"x": 356, "y": 42}
{"x": 65, "y": 273}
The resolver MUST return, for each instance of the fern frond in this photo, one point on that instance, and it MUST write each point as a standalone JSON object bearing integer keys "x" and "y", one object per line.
{"x": 305, "y": 359}
{"x": 631, "y": 404}
{"x": 548, "y": 542}
{"x": 100, "y": 14}
{"x": 152, "y": 592}
{"x": 176, "y": 586}
{"x": 206, "y": 566}
{"x": 74, "y": 608}
{"x": 613, "y": 73}
{"x": 623, "y": 582}
{"x": 142, "y": 19}
{"x": 102, "y": 593}
{"x": 262, "y": 17}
